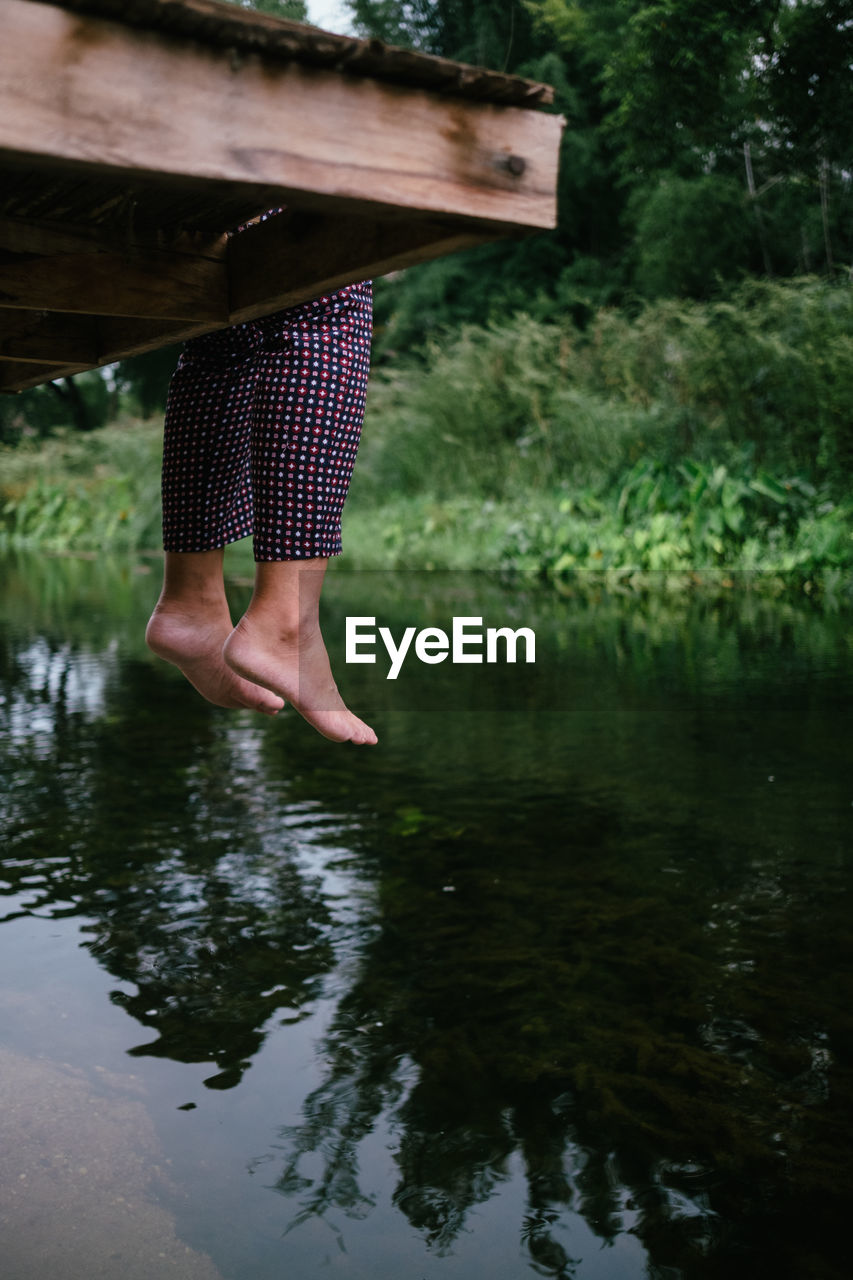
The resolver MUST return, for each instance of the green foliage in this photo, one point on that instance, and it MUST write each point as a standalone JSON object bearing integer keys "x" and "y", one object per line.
{"x": 523, "y": 402}
{"x": 688, "y": 520}
{"x": 296, "y": 10}
{"x": 85, "y": 402}
{"x": 808, "y": 84}
{"x": 490, "y": 33}
{"x": 94, "y": 492}
{"x": 685, "y": 436}
{"x": 771, "y": 366}
{"x": 143, "y": 381}
{"x": 677, "y": 82}
{"x": 671, "y": 438}
{"x": 565, "y": 22}
{"x": 691, "y": 234}
{"x": 699, "y": 525}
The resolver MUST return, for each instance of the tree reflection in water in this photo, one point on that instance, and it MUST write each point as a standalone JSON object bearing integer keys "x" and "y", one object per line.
{"x": 156, "y": 837}
{"x": 656, "y": 1059}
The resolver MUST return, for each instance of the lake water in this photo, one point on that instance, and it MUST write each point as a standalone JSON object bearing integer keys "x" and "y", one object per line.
{"x": 556, "y": 981}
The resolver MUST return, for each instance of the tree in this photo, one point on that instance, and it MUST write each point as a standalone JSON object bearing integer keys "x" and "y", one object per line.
{"x": 143, "y": 380}
{"x": 296, "y": 10}
{"x": 548, "y": 40}
{"x": 808, "y": 86}
{"x": 761, "y": 90}
{"x": 691, "y": 234}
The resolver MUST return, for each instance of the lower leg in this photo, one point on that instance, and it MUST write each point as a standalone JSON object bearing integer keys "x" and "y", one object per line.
{"x": 278, "y": 644}
{"x": 191, "y": 622}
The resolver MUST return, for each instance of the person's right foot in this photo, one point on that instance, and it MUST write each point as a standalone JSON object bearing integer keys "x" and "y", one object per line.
{"x": 296, "y": 666}
{"x": 194, "y": 646}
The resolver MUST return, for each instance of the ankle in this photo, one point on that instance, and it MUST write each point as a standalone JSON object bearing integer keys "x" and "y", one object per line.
{"x": 206, "y": 604}
{"x": 282, "y": 628}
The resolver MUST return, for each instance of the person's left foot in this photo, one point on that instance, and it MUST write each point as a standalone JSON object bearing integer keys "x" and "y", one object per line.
{"x": 193, "y": 644}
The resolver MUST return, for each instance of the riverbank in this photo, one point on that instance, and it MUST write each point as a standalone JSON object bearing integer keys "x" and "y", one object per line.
{"x": 686, "y": 443}
{"x": 701, "y": 525}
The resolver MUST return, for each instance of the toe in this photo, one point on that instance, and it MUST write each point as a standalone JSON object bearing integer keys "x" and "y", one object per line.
{"x": 363, "y": 736}
{"x": 269, "y": 706}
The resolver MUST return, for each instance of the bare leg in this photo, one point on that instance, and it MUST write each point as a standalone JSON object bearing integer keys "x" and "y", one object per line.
{"x": 278, "y": 644}
{"x": 189, "y": 625}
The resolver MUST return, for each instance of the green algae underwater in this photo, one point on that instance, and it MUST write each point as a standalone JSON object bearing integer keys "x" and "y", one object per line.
{"x": 556, "y": 981}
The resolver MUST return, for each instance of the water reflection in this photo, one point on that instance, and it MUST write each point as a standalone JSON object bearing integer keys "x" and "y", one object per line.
{"x": 597, "y": 1028}
{"x": 592, "y": 940}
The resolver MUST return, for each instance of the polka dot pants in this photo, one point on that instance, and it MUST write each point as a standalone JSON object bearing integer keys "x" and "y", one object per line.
{"x": 262, "y": 426}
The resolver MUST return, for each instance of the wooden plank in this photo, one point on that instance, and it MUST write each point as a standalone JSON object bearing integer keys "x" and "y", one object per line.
{"x": 92, "y": 94}
{"x": 276, "y": 264}
{"x": 108, "y": 204}
{"x": 37, "y": 337}
{"x": 20, "y": 236}
{"x": 130, "y": 337}
{"x": 233, "y": 27}
{"x": 19, "y": 377}
{"x": 133, "y": 282}
{"x": 299, "y": 255}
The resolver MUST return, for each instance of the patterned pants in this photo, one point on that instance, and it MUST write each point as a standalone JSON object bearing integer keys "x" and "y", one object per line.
{"x": 262, "y": 426}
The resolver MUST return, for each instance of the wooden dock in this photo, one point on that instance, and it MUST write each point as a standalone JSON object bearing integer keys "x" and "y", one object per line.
{"x": 136, "y": 135}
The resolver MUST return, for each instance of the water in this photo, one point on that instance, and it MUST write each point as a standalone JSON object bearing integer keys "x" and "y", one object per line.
{"x": 556, "y": 981}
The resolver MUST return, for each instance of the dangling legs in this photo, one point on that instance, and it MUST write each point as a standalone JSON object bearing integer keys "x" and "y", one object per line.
{"x": 309, "y": 407}
{"x": 263, "y": 441}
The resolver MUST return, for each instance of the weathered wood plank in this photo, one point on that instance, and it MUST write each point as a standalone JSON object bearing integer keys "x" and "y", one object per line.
{"x": 90, "y": 93}
{"x": 296, "y": 256}
{"x": 236, "y": 28}
{"x": 108, "y": 204}
{"x": 130, "y": 283}
{"x": 68, "y": 351}
{"x": 37, "y": 337}
{"x": 18, "y": 377}
{"x": 20, "y": 236}
{"x": 275, "y": 264}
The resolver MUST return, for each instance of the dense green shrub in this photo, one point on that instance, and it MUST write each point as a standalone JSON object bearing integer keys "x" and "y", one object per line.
{"x": 770, "y": 365}
{"x": 692, "y": 233}
{"x": 96, "y": 491}
{"x": 768, "y": 368}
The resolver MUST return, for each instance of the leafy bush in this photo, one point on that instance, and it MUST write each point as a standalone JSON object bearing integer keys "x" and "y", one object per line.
{"x": 527, "y": 403}
{"x": 771, "y": 365}
{"x": 696, "y": 517}
{"x": 43, "y": 410}
{"x": 90, "y": 492}
{"x": 691, "y": 233}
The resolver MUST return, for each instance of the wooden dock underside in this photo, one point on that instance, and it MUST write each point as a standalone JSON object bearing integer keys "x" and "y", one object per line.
{"x": 131, "y": 150}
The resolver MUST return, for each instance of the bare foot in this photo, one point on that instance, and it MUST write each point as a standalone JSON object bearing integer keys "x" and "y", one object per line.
{"x": 297, "y": 668}
{"x": 195, "y": 648}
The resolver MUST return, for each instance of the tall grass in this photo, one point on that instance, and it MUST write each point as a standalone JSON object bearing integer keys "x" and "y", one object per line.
{"x": 770, "y": 366}
{"x": 98, "y": 491}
